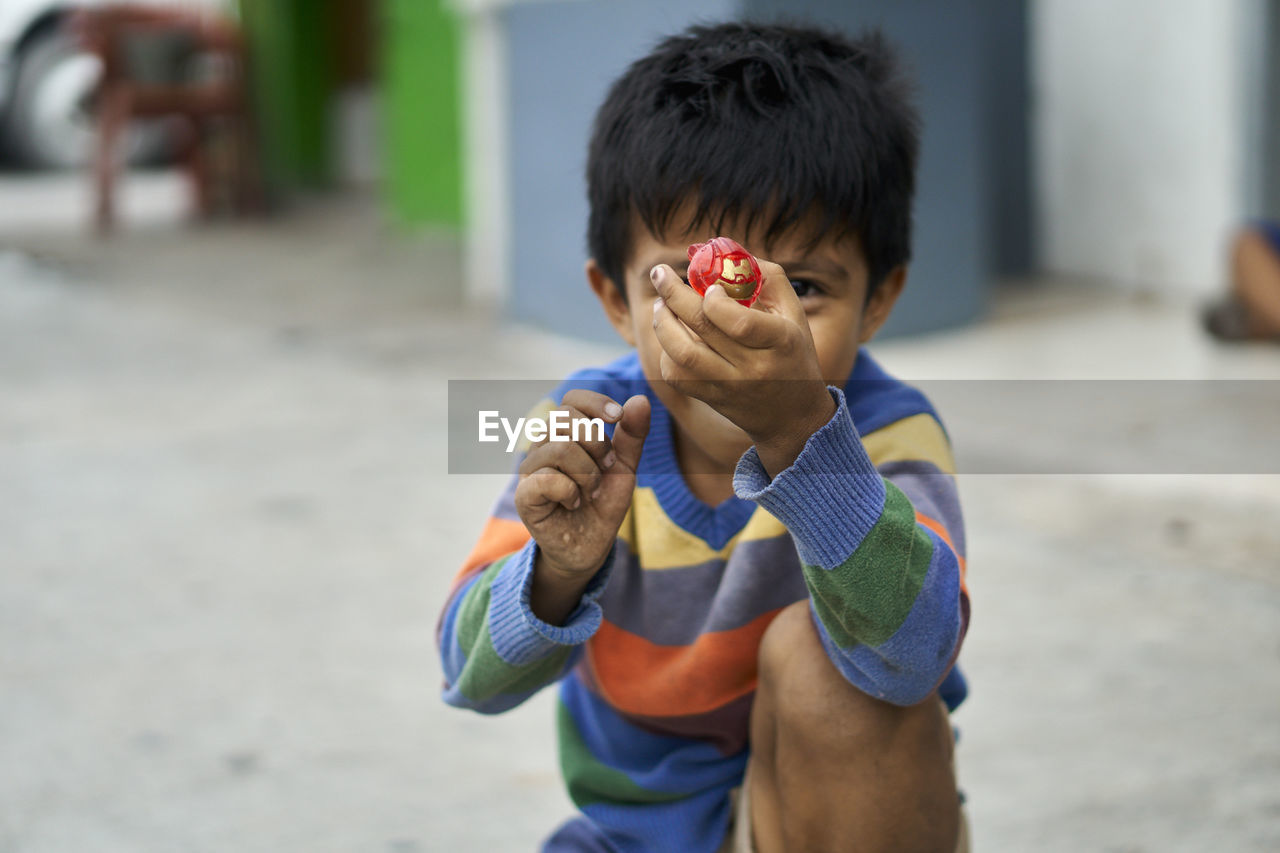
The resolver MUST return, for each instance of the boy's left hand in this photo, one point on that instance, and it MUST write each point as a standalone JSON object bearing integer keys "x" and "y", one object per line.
{"x": 755, "y": 366}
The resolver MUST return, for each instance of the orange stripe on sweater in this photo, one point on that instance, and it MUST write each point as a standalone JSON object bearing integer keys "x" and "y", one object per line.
{"x": 640, "y": 677}
{"x": 500, "y": 537}
{"x": 936, "y": 526}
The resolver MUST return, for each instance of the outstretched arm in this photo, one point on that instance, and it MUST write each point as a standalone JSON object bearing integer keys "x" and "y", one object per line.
{"x": 881, "y": 561}
{"x": 526, "y": 600}
{"x": 496, "y": 653}
{"x": 884, "y": 585}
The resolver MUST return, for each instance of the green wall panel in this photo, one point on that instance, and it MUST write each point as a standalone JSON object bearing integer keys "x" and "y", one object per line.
{"x": 292, "y": 75}
{"x": 421, "y": 111}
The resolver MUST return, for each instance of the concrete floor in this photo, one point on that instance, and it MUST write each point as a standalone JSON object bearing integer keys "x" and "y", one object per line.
{"x": 226, "y": 529}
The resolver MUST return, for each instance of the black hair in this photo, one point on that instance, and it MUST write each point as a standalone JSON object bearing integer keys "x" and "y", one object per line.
{"x": 773, "y": 123}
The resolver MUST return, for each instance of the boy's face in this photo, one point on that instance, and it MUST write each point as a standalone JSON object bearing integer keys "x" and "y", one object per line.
{"x": 830, "y": 280}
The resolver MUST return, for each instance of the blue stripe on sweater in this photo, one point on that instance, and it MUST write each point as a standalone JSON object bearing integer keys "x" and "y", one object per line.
{"x": 659, "y": 763}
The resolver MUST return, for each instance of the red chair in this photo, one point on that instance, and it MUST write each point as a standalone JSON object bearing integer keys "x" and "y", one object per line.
{"x": 160, "y": 62}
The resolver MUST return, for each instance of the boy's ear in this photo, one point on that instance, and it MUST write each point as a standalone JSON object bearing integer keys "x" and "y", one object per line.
{"x": 612, "y": 300}
{"x": 881, "y": 302}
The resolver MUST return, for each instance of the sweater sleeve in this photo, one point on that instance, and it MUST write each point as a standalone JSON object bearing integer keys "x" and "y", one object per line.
{"x": 495, "y": 652}
{"x": 885, "y": 579}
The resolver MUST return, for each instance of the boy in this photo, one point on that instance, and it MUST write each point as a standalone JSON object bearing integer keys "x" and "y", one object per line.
{"x": 751, "y": 589}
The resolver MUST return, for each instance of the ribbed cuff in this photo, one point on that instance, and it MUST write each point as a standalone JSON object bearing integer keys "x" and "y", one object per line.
{"x": 519, "y": 637}
{"x": 830, "y": 496}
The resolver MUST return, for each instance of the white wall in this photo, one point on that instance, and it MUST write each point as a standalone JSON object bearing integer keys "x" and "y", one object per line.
{"x": 1140, "y": 136}
{"x": 487, "y": 180}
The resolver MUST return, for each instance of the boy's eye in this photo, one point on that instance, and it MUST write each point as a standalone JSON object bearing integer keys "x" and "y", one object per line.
{"x": 804, "y": 287}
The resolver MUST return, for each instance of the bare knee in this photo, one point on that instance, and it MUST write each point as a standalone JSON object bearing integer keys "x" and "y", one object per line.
{"x": 791, "y": 631}
{"x": 840, "y": 769}
{"x": 806, "y": 692}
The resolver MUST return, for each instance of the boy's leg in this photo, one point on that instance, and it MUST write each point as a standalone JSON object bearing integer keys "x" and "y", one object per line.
{"x": 833, "y": 769}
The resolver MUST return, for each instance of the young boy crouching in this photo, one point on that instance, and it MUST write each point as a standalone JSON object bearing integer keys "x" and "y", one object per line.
{"x": 751, "y": 590}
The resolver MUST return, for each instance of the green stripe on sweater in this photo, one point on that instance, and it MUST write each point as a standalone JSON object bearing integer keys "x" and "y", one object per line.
{"x": 473, "y": 612}
{"x": 591, "y": 781}
{"x": 867, "y": 597}
{"x": 486, "y": 675}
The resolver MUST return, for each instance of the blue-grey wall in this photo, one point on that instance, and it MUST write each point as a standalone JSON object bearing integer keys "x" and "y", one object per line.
{"x": 1269, "y": 203}
{"x": 940, "y": 40}
{"x": 1006, "y": 126}
{"x": 563, "y": 57}
{"x": 565, "y": 54}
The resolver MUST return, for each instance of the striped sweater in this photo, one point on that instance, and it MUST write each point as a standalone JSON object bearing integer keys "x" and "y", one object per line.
{"x": 657, "y": 664}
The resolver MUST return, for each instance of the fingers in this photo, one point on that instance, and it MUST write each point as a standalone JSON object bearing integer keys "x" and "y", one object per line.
{"x": 777, "y": 296}
{"x": 593, "y": 404}
{"x": 629, "y": 435}
{"x": 747, "y": 327}
{"x": 581, "y": 455}
{"x": 570, "y": 459}
{"x": 570, "y": 472}
{"x": 685, "y": 303}
{"x": 548, "y": 487}
{"x": 718, "y": 322}
{"x": 688, "y": 352}
{"x": 582, "y": 403}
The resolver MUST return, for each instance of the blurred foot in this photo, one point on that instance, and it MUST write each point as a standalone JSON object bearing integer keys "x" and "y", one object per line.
{"x": 1229, "y": 320}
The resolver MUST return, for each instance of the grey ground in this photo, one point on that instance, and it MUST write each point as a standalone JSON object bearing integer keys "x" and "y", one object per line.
{"x": 226, "y": 530}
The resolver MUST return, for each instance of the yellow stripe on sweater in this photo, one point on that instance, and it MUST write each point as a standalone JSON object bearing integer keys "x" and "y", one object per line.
{"x": 919, "y": 437}
{"x": 666, "y": 545}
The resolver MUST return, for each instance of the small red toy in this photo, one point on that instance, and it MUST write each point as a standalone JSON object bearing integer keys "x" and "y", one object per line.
{"x": 722, "y": 261}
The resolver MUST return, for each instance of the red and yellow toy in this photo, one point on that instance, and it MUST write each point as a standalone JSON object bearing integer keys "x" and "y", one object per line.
{"x": 722, "y": 261}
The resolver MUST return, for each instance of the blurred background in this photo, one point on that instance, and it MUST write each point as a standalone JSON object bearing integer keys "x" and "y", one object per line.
{"x": 244, "y": 246}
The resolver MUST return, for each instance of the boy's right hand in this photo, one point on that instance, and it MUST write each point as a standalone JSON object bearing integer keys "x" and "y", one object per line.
{"x": 573, "y": 495}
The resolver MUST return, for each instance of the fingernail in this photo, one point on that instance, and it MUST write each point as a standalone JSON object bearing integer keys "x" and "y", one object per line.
{"x": 655, "y": 275}
{"x": 610, "y": 459}
{"x": 657, "y": 305}
{"x": 612, "y": 410}
{"x": 595, "y": 494}
{"x": 577, "y": 502}
{"x": 714, "y": 287}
